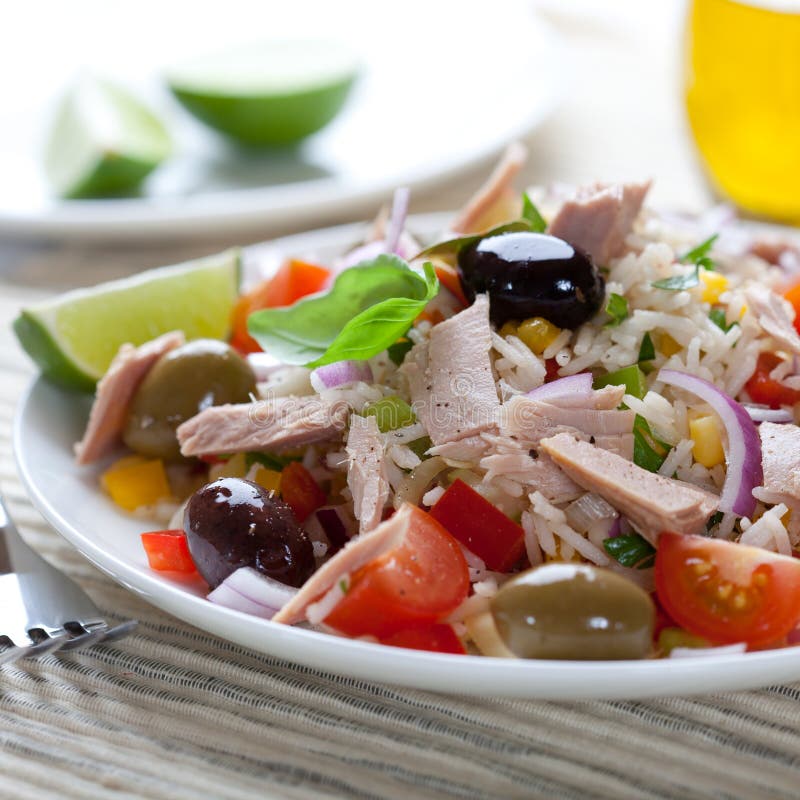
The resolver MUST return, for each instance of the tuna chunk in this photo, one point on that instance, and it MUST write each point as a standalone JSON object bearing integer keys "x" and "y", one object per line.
{"x": 531, "y": 421}
{"x": 775, "y": 316}
{"x": 599, "y": 218}
{"x": 651, "y": 502}
{"x": 511, "y": 459}
{"x": 450, "y": 377}
{"x": 115, "y": 392}
{"x": 354, "y": 555}
{"x": 487, "y": 207}
{"x": 276, "y": 424}
{"x": 366, "y": 473}
{"x": 780, "y": 459}
{"x": 470, "y": 449}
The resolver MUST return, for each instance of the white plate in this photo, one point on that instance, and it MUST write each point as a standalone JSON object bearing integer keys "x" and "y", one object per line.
{"x": 50, "y": 420}
{"x": 446, "y": 86}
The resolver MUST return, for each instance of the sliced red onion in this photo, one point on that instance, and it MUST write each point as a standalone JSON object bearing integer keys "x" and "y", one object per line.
{"x": 339, "y": 373}
{"x": 336, "y": 524}
{"x": 579, "y": 385}
{"x": 743, "y": 454}
{"x": 249, "y": 591}
{"x": 765, "y": 414}
{"x": 723, "y": 650}
{"x": 397, "y": 219}
{"x": 615, "y": 529}
{"x": 263, "y": 365}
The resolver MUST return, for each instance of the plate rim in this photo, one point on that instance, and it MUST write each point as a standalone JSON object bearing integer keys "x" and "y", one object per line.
{"x": 452, "y": 674}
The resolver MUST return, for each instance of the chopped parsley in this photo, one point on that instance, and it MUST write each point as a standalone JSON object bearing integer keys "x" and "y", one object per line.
{"x": 631, "y": 550}
{"x": 701, "y": 260}
{"x": 717, "y": 316}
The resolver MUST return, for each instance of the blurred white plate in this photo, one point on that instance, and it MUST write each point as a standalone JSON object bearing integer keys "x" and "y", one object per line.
{"x": 50, "y": 420}
{"x": 446, "y": 85}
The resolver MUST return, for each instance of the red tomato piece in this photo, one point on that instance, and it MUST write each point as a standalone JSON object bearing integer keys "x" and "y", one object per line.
{"x": 249, "y": 302}
{"x": 480, "y": 527}
{"x": 294, "y": 280}
{"x": 435, "y": 638}
{"x": 793, "y": 296}
{"x": 168, "y": 551}
{"x": 727, "y": 592}
{"x": 449, "y": 278}
{"x": 413, "y": 585}
{"x": 299, "y": 489}
{"x": 763, "y": 389}
{"x": 551, "y": 370}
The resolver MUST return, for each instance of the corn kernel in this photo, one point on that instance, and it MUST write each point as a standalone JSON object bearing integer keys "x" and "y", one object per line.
{"x": 668, "y": 346}
{"x": 714, "y": 285}
{"x": 134, "y": 482}
{"x": 268, "y": 478}
{"x": 538, "y": 334}
{"x": 234, "y": 467}
{"x": 509, "y": 328}
{"x": 705, "y": 433}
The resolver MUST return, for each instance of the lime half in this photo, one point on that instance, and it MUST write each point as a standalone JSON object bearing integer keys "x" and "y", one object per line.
{"x": 273, "y": 93}
{"x": 74, "y": 337}
{"x": 103, "y": 141}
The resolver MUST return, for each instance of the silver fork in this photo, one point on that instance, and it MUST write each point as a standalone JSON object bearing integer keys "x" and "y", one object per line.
{"x": 41, "y": 610}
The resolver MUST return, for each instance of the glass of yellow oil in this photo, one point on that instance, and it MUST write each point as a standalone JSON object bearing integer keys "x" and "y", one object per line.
{"x": 742, "y": 84}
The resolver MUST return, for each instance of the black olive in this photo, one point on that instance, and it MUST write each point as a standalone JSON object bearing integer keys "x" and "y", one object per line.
{"x": 532, "y": 275}
{"x": 232, "y": 523}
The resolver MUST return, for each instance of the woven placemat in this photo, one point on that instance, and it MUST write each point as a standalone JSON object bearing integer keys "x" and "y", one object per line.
{"x": 172, "y": 712}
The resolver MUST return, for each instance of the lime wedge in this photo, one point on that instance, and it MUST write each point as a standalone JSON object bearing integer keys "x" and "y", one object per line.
{"x": 73, "y": 338}
{"x": 274, "y": 93}
{"x": 103, "y": 141}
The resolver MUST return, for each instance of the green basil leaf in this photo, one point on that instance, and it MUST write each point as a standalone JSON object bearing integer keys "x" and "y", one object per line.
{"x": 694, "y": 255}
{"x": 678, "y": 282}
{"x": 451, "y": 247}
{"x": 617, "y": 309}
{"x": 648, "y": 452}
{"x": 531, "y": 213}
{"x": 369, "y": 307}
{"x": 647, "y": 350}
{"x": 631, "y": 551}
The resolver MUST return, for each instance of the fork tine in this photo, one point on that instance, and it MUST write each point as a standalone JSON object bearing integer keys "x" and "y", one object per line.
{"x": 52, "y": 642}
{"x": 11, "y": 654}
{"x": 95, "y": 633}
{"x": 123, "y": 629}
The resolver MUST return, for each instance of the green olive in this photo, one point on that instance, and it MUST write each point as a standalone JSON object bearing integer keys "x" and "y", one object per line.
{"x": 574, "y": 611}
{"x": 182, "y": 383}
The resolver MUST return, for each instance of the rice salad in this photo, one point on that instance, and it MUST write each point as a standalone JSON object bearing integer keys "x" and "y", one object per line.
{"x": 564, "y": 428}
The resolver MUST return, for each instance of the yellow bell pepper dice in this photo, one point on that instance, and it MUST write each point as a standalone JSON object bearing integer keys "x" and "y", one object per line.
{"x": 134, "y": 482}
{"x": 705, "y": 433}
{"x": 668, "y": 346}
{"x": 714, "y": 285}
{"x": 268, "y": 478}
{"x": 538, "y": 334}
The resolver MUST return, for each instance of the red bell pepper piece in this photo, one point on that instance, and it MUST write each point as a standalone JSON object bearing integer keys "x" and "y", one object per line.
{"x": 299, "y": 489}
{"x": 436, "y": 638}
{"x": 480, "y": 527}
{"x": 168, "y": 551}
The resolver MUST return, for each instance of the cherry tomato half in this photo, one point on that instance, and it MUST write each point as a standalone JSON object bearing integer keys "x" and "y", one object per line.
{"x": 727, "y": 592}
{"x": 413, "y": 585}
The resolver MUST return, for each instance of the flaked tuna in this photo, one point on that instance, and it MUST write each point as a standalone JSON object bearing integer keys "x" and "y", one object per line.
{"x": 277, "y": 424}
{"x": 652, "y": 503}
{"x": 366, "y": 472}
{"x": 491, "y": 203}
{"x": 775, "y": 315}
{"x": 599, "y": 218}
{"x": 354, "y": 555}
{"x": 115, "y": 391}
{"x": 780, "y": 460}
{"x": 450, "y": 377}
{"x": 530, "y": 421}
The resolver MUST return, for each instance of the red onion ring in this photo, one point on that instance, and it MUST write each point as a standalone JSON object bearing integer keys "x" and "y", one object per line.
{"x": 339, "y": 373}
